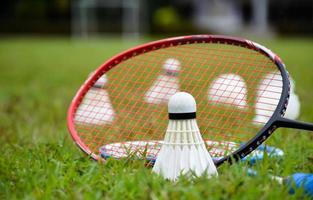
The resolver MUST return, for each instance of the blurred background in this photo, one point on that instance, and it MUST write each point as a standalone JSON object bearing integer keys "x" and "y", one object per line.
{"x": 136, "y": 18}
{"x": 48, "y": 48}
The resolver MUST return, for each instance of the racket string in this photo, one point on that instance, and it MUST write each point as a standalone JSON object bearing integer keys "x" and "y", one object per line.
{"x": 200, "y": 66}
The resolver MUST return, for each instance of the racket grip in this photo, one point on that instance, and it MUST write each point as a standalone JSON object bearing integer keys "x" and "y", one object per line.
{"x": 301, "y": 180}
{"x": 288, "y": 123}
{"x": 297, "y": 180}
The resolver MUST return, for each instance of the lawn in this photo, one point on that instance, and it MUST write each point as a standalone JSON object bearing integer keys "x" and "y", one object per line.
{"x": 39, "y": 77}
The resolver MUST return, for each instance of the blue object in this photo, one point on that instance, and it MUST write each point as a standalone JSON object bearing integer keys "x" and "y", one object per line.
{"x": 105, "y": 155}
{"x": 258, "y": 154}
{"x": 251, "y": 172}
{"x": 301, "y": 180}
{"x": 298, "y": 180}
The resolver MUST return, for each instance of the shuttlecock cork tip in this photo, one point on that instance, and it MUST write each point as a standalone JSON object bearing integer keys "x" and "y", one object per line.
{"x": 101, "y": 82}
{"x": 171, "y": 65}
{"x": 182, "y": 105}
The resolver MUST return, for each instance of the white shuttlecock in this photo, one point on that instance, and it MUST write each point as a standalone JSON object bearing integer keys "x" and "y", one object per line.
{"x": 292, "y": 85}
{"x": 268, "y": 95}
{"x": 183, "y": 149}
{"x": 166, "y": 85}
{"x": 171, "y": 65}
{"x": 230, "y": 90}
{"x": 293, "y": 108}
{"x": 96, "y": 108}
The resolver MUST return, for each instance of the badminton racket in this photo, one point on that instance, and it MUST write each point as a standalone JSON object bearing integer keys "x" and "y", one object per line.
{"x": 235, "y": 109}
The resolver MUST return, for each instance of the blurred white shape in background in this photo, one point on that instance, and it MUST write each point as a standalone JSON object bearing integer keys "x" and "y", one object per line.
{"x": 225, "y": 16}
{"x": 84, "y": 21}
{"x": 269, "y": 92}
{"x": 293, "y": 108}
{"x": 96, "y": 108}
{"x": 268, "y": 95}
{"x": 221, "y": 16}
{"x": 166, "y": 84}
{"x": 229, "y": 90}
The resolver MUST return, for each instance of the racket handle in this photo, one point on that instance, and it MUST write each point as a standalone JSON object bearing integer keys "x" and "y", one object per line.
{"x": 299, "y": 180}
{"x": 289, "y": 123}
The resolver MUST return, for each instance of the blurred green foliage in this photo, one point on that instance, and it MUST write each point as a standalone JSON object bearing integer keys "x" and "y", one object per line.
{"x": 166, "y": 17}
{"x": 41, "y": 9}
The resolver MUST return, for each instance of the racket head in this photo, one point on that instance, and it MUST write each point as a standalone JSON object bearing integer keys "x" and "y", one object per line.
{"x": 90, "y": 138}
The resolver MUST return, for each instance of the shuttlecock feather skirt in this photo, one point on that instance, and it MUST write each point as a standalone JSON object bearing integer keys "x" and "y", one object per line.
{"x": 183, "y": 151}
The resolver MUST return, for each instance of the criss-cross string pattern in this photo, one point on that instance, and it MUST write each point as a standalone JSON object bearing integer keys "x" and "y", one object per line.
{"x": 237, "y": 90}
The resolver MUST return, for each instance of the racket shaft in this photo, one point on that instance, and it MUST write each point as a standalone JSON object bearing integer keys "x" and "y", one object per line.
{"x": 288, "y": 123}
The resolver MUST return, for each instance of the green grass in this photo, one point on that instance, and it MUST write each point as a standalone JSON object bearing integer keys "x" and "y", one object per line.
{"x": 39, "y": 77}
